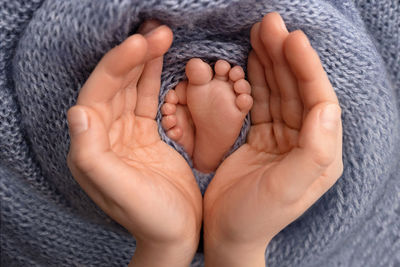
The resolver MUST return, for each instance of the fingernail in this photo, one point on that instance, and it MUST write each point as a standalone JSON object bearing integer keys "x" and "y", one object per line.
{"x": 77, "y": 121}
{"x": 330, "y": 117}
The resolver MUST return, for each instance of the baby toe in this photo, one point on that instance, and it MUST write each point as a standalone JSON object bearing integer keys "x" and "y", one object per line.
{"x": 168, "y": 109}
{"x": 244, "y": 102}
{"x": 168, "y": 122}
{"x": 236, "y": 73}
{"x": 242, "y": 87}
{"x": 175, "y": 133}
{"x": 222, "y": 69}
{"x": 172, "y": 97}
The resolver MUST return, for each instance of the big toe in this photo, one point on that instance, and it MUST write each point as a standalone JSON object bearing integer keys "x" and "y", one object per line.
{"x": 198, "y": 72}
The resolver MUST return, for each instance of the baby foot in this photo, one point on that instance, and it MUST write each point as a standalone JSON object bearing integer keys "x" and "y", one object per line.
{"x": 177, "y": 121}
{"x": 218, "y": 105}
{"x": 205, "y": 113}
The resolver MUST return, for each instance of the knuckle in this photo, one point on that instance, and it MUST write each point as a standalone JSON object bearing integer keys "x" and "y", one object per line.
{"x": 339, "y": 169}
{"x": 322, "y": 158}
{"x": 80, "y": 160}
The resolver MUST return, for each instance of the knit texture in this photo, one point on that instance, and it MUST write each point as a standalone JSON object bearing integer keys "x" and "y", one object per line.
{"x": 49, "y": 48}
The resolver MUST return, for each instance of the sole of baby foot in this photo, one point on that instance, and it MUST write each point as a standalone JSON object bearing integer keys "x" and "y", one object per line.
{"x": 218, "y": 102}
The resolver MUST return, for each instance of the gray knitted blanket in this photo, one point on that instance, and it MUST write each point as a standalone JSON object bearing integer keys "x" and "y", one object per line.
{"x": 49, "y": 48}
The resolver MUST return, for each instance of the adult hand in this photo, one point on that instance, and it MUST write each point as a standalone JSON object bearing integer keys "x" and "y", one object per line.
{"x": 293, "y": 153}
{"x": 117, "y": 156}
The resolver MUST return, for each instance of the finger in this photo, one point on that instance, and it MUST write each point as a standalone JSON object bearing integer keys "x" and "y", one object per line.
{"x": 107, "y": 78}
{"x": 336, "y": 168}
{"x": 149, "y": 89}
{"x": 274, "y": 94}
{"x": 260, "y": 112}
{"x": 318, "y": 188}
{"x": 133, "y": 77}
{"x": 159, "y": 40}
{"x": 313, "y": 82}
{"x": 86, "y": 131}
{"x": 321, "y": 185}
{"x": 89, "y": 140}
{"x": 273, "y": 33}
{"x": 317, "y": 150}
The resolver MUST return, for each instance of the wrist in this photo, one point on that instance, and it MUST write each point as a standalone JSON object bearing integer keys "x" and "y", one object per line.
{"x": 155, "y": 254}
{"x": 222, "y": 253}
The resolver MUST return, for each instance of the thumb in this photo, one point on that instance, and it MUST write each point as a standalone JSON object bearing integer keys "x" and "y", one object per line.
{"x": 89, "y": 137}
{"x": 100, "y": 173}
{"x": 77, "y": 120}
{"x": 317, "y": 147}
{"x": 319, "y": 134}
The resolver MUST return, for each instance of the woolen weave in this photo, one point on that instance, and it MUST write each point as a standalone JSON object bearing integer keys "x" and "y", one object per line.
{"x": 49, "y": 48}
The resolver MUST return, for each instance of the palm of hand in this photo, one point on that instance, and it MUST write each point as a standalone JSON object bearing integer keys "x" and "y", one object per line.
{"x": 166, "y": 184}
{"x": 245, "y": 197}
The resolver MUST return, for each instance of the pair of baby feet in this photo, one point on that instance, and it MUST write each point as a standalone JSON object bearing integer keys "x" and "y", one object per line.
{"x": 205, "y": 113}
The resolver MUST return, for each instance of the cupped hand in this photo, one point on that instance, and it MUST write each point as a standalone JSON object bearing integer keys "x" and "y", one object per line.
{"x": 117, "y": 156}
{"x": 293, "y": 153}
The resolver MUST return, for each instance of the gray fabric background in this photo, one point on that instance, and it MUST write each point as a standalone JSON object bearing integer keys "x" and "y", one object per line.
{"x": 49, "y": 48}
